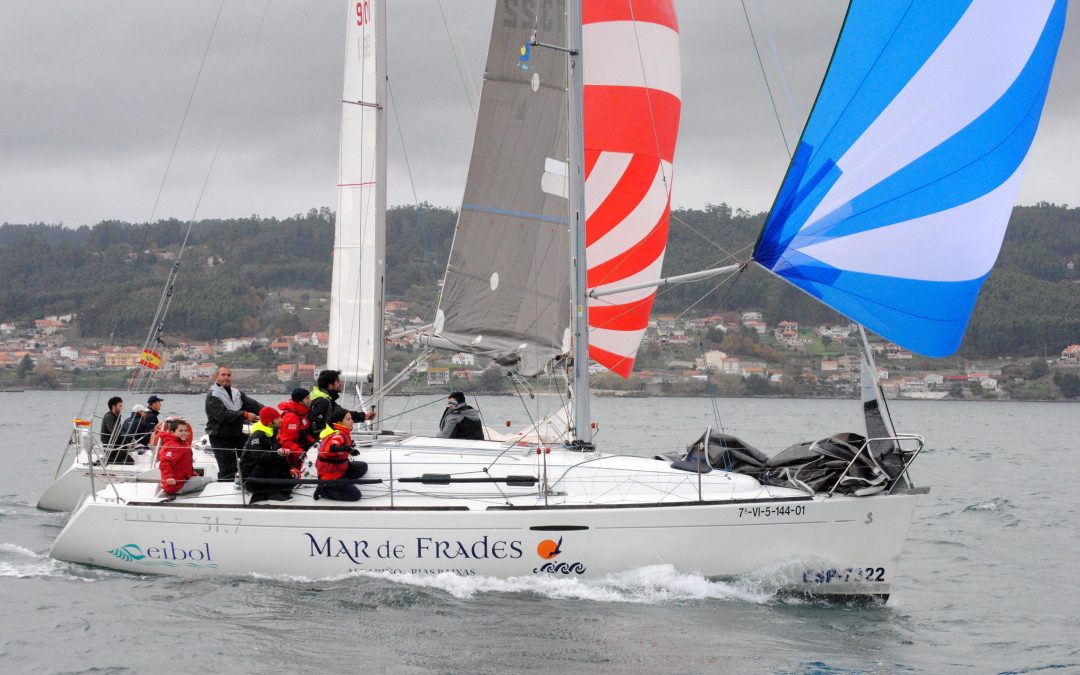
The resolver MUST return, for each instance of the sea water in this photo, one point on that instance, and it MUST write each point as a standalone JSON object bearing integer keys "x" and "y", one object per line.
{"x": 988, "y": 580}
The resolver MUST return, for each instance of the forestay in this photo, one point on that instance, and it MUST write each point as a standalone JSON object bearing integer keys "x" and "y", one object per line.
{"x": 899, "y": 193}
{"x": 507, "y": 288}
{"x": 632, "y": 107}
{"x": 356, "y": 294}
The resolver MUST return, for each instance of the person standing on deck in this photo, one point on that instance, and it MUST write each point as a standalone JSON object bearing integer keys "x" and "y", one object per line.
{"x": 226, "y": 411}
{"x": 324, "y": 402}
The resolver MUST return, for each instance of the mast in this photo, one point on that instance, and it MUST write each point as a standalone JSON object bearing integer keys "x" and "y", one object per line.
{"x": 378, "y": 328}
{"x": 578, "y": 266}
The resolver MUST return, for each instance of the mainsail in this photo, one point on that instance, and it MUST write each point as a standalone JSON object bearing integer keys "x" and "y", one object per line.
{"x": 897, "y": 199}
{"x": 632, "y": 107}
{"x": 356, "y": 293}
{"x": 507, "y": 288}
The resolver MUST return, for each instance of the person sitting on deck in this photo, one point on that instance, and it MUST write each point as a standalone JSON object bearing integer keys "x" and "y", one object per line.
{"x": 460, "y": 420}
{"x": 263, "y": 458}
{"x": 295, "y": 435}
{"x": 175, "y": 460}
{"x": 135, "y": 432}
{"x": 110, "y": 433}
{"x": 333, "y": 461}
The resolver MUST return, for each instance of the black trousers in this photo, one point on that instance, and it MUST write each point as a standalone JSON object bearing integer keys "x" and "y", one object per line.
{"x": 114, "y": 456}
{"x": 344, "y": 493}
{"x": 225, "y": 451}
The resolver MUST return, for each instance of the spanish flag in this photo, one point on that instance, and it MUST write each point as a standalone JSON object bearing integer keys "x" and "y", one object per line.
{"x": 150, "y": 359}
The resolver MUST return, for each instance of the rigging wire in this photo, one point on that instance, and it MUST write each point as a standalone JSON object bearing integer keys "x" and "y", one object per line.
{"x": 167, "y": 295}
{"x": 462, "y": 65}
{"x": 146, "y": 230}
{"x": 428, "y": 259}
{"x": 764, "y": 75}
{"x": 779, "y": 62}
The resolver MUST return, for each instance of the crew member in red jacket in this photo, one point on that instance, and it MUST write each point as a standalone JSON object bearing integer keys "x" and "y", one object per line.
{"x": 175, "y": 460}
{"x": 295, "y": 435}
{"x": 333, "y": 462}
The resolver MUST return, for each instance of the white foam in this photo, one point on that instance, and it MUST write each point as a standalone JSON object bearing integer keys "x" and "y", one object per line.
{"x": 647, "y": 585}
{"x": 15, "y": 548}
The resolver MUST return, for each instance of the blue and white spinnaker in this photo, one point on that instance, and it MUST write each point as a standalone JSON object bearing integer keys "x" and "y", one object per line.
{"x": 896, "y": 201}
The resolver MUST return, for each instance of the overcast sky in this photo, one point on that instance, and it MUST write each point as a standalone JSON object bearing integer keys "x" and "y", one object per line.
{"x": 94, "y": 93}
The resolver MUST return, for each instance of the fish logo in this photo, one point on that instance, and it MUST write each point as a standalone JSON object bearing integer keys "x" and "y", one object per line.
{"x": 548, "y": 549}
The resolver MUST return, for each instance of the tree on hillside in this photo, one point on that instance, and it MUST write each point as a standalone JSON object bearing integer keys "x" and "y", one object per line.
{"x": 26, "y": 366}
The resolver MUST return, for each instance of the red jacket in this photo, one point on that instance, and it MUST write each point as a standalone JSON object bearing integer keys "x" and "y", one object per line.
{"x": 175, "y": 461}
{"x": 334, "y": 453}
{"x": 295, "y": 435}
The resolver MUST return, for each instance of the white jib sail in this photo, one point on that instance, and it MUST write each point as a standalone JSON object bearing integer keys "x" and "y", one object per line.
{"x": 357, "y": 287}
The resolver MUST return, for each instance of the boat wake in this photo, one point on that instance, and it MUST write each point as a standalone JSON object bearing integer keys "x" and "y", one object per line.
{"x": 21, "y": 563}
{"x": 655, "y": 584}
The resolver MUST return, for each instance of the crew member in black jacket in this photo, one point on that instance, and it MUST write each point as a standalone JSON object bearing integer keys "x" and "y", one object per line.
{"x": 324, "y": 401}
{"x": 226, "y": 410}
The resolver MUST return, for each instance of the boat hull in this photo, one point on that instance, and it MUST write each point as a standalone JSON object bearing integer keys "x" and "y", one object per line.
{"x": 840, "y": 546}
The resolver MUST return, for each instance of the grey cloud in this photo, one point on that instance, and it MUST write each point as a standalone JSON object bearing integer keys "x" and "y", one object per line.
{"x": 94, "y": 93}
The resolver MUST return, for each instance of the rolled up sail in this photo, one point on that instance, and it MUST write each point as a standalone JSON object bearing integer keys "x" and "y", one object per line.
{"x": 507, "y": 288}
{"x": 897, "y": 199}
{"x": 632, "y": 107}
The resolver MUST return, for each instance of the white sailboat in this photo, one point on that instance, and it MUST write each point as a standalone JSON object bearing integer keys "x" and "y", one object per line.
{"x": 922, "y": 126}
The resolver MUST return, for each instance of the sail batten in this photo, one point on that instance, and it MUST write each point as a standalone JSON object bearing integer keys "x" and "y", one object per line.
{"x": 896, "y": 202}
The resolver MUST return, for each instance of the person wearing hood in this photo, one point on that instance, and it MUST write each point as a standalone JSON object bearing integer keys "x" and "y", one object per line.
{"x": 333, "y": 462}
{"x": 263, "y": 458}
{"x": 295, "y": 434}
{"x": 175, "y": 460}
{"x": 460, "y": 420}
{"x": 324, "y": 398}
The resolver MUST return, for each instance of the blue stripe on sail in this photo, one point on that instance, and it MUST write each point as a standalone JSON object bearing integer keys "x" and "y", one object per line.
{"x": 881, "y": 48}
{"x": 928, "y": 317}
{"x": 776, "y": 236}
{"x": 965, "y": 167}
{"x": 884, "y": 45}
{"x": 516, "y": 214}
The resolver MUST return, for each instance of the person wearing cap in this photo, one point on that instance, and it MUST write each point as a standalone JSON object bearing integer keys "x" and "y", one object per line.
{"x": 333, "y": 462}
{"x": 295, "y": 435}
{"x": 460, "y": 420}
{"x": 324, "y": 398}
{"x": 263, "y": 458}
{"x": 227, "y": 408}
{"x": 135, "y": 432}
{"x": 153, "y": 407}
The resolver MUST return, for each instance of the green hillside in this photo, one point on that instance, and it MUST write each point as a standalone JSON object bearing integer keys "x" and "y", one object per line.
{"x": 112, "y": 274}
